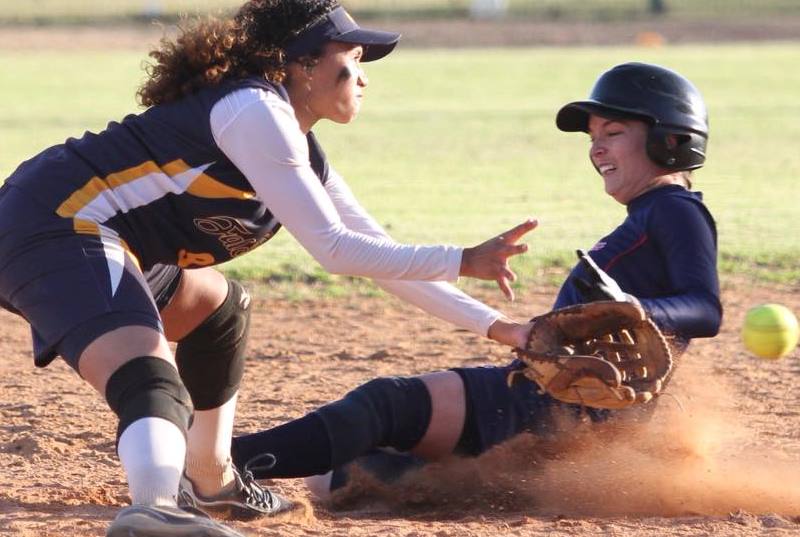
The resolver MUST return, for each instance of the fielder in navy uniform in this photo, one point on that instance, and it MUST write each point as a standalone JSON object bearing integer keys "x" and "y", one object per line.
{"x": 107, "y": 241}
{"x": 648, "y": 130}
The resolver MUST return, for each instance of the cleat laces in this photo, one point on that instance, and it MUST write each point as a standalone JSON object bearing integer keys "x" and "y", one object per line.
{"x": 255, "y": 494}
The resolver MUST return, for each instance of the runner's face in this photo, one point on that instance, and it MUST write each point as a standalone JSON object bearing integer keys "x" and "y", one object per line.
{"x": 619, "y": 154}
{"x": 336, "y": 83}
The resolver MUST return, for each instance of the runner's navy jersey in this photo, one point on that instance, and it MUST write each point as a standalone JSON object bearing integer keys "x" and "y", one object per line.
{"x": 665, "y": 254}
{"x": 159, "y": 181}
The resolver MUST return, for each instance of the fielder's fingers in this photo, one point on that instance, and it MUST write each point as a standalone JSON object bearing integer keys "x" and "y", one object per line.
{"x": 513, "y": 235}
{"x": 509, "y": 274}
{"x": 506, "y": 289}
{"x": 515, "y": 249}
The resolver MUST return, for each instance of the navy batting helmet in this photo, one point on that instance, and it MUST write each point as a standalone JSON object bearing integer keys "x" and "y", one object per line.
{"x": 666, "y": 100}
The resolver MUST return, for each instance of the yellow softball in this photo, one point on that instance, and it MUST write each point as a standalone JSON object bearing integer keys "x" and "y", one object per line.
{"x": 770, "y": 331}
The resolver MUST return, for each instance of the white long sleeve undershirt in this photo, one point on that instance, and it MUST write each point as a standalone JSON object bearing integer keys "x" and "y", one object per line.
{"x": 437, "y": 298}
{"x": 259, "y": 133}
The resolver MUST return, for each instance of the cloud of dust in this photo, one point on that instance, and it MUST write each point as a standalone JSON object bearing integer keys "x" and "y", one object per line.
{"x": 700, "y": 460}
{"x": 693, "y": 456}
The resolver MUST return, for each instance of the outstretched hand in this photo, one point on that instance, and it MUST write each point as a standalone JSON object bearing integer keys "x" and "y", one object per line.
{"x": 510, "y": 332}
{"x": 489, "y": 260}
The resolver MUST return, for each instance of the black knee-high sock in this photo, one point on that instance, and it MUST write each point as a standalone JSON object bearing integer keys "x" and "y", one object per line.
{"x": 300, "y": 448}
{"x": 392, "y": 412}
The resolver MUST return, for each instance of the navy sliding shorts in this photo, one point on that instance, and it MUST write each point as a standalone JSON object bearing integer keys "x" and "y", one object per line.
{"x": 72, "y": 281}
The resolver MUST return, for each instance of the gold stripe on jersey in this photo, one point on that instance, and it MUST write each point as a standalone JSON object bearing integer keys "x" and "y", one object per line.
{"x": 85, "y": 227}
{"x": 81, "y": 198}
{"x": 124, "y": 177}
{"x": 143, "y": 184}
{"x": 205, "y": 186}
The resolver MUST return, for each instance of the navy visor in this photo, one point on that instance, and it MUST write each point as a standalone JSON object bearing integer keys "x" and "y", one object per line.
{"x": 338, "y": 25}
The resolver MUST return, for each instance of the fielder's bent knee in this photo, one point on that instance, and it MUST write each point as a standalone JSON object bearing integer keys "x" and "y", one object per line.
{"x": 211, "y": 358}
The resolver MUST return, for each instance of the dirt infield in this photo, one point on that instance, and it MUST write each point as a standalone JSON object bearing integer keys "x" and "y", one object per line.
{"x": 720, "y": 457}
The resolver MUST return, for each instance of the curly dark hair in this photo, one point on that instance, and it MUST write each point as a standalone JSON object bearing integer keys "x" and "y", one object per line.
{"x": 210, "y": 51}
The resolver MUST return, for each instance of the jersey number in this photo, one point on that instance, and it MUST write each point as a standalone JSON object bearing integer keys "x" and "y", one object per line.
{"x": 191, "y": 259}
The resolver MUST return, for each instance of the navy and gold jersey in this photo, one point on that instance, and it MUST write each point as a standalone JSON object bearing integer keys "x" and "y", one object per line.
{"x": 159, "y": 182}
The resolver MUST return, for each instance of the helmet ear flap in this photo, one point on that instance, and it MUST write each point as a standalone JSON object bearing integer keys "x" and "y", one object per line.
{"x": 676, "y": 150}
{"x": 658, "y": 147}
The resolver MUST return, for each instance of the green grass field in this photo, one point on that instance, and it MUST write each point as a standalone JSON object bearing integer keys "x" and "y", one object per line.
{"x": 455, "y": 146}
{"x": 75, "y": 11}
